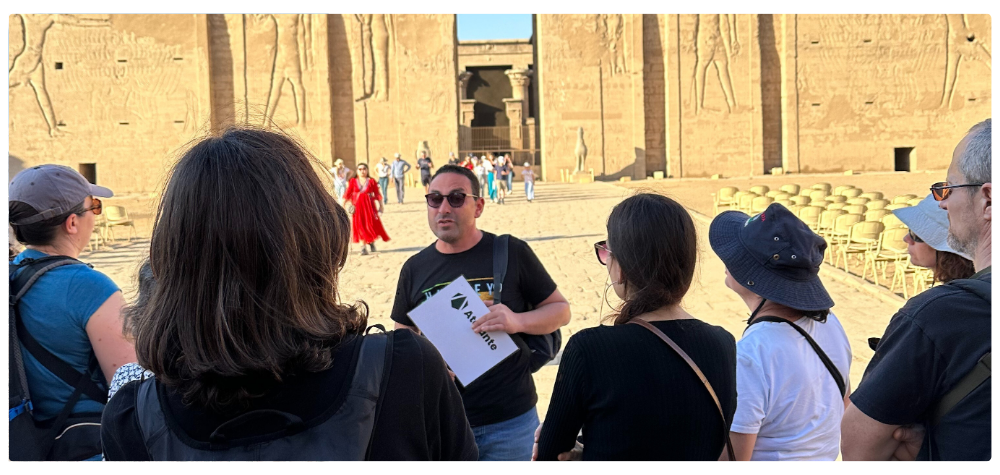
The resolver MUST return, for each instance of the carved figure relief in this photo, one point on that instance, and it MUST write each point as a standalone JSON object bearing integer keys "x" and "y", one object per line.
{"x": 27, "y": 68}
{"x": 962, "y": 43}
{"x": 422, "y": 147}
{"x": 290, "y": 47}
{"x": 611, "y": 28}
{"x": 715, "y": 43}
{"x": 370, "y": 56}
{"x": 581, "y": 151}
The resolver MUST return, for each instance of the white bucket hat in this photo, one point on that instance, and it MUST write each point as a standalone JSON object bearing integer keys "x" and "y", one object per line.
{"x": 928, "y": 222}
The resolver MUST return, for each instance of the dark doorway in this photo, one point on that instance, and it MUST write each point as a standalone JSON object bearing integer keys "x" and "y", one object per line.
{"x": 89, "y": 171}
{"x": 904, "y": 159}
{"x": 489, "y": 86}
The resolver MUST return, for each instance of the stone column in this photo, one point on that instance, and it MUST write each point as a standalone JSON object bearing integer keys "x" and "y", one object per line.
{"x": 463, "y": 84}
{"x": 519, "y": 81}
{"x": 468, "y": 108}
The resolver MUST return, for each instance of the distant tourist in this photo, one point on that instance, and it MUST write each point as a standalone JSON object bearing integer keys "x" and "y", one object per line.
{"x": 340, "y": 175}
{"x": 502, "y": 172}
{"x": 382, "y": 170}
{"x": 366, "y": 223}
{"x": 510, "y": 176}
{"x": 426, "y": 166}
{"x": 490, "y": 168}
{"x": 794, "y": 360}
{"x": 254, "y": 356}
{"x": 529, "y": 182}
{"x": 399, "y": 168}
{"x": 926, "y": 392}
{"x": 633, "y": 395}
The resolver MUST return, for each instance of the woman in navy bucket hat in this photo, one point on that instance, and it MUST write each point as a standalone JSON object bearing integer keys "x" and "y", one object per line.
{"x": 794, "y": 358}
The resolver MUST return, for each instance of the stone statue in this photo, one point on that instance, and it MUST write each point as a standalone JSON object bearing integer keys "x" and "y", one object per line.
{"x": 27, "y": 69}
{"x": 580, "y": 151}
{"x": 423, "y": 147}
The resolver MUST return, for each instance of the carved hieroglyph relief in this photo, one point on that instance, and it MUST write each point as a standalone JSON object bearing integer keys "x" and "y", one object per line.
{"x": 962, "y": 42}
{"x": 291, "y": 47}
{"x": 373, "y": 36}
{"x": 27, "y": 69}
{"x": 612, "y": 29}
{"x": 715, "y": 43}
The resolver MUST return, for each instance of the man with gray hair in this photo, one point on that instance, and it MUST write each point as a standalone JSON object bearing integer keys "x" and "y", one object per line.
{"x": 926, "y": 392}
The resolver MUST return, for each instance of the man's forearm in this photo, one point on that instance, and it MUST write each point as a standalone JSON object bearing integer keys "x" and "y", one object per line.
{"x": 864, "y": 438}
{"x": 544, "y": 319}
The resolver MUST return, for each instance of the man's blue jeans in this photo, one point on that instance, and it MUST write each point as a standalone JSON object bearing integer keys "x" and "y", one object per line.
{"x": 508, "y": 440}
{"x": 383, "y": 184}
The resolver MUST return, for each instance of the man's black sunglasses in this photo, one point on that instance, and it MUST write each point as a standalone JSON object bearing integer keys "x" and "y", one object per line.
{"x": 455, "y": 199}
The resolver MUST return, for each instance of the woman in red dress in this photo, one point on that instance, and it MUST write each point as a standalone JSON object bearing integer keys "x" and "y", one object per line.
{"x": 363, "y": 193}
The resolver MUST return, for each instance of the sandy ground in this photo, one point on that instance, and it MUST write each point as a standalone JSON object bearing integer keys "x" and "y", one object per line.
{"x": 561, "y": 226}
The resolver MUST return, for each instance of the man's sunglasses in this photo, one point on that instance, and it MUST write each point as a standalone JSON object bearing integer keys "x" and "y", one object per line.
{"x": 601, "y": 248}
{"x": 97, "y": 207}
{"x": 941, "y": 190}
{"x": 455, "y": 199}
{"x": 914, "y": 237}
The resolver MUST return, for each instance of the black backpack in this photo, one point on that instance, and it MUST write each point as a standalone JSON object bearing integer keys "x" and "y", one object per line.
{"x": 68, "y": 436}
{"x": 544, "y": 348}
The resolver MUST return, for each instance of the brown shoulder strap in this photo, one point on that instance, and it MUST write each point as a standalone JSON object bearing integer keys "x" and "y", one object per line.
{"x": 687, "y": 359}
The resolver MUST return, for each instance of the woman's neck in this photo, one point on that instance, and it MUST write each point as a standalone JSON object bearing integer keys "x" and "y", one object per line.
{"x": 666, "y": 312}
{"x": 772, "y": 309}
{"x": 57, "y": 248}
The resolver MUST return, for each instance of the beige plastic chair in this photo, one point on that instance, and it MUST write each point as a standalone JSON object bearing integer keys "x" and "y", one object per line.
{"x": 791, "y": 188}
{"x": 818, "y": 195}
{"x": 877, "y": 204}
{"x": 863, "y": 237}
{"x": 782, "y": 195}
{"x": 840, "y": 189}
{"x": 822, "y": 186}
{"x": 890, "y": 248}
{"x": 746, "y": 201}
{"x": 810, "y": 216}
{"x": 836, "y": 199}
{"x": 892, "y": 221}
{"x": 805, "y": 191}
{"x": 872, "y": 195}
{"x": 118, "y": 216}
{"x": 841, "y": 231}
{"x": 830, "y": 206}
{"x": 857, "y": 201}
{"x": 852, "y": 193}
{"x": 773, "y": 193}
{"x": 724, "y": 198}
{"x": 914, "y": 201}
{"x": 785, "y": 203}
{"x": 876, "y": 214}
{"x": 855, "y": 209}
{"x": 760, "y": 203}
{"x": 794, "y": 209}
{"x": 903, "y": 198}
{"x": 827, "y": 219}
{"x": 760, "y": 189}
{"x": 801, "y": 200}
{"x": 891, "y": 207}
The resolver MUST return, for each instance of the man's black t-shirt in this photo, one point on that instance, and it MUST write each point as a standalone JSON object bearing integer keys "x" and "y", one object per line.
{"x": 424, "y": 164}
{"x": 421, "y": 417}
{"x": 507, "y": 390}
{"x": 930, "y": 344}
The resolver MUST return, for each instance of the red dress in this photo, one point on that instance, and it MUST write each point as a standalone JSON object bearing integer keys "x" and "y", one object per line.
{"x": 366, "y": 225}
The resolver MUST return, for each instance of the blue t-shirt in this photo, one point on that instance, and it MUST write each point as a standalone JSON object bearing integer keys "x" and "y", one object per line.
{"x": 55, "y": 311}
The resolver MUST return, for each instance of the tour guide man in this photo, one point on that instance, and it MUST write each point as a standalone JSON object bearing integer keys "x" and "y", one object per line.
{"x": 500, "y": 404}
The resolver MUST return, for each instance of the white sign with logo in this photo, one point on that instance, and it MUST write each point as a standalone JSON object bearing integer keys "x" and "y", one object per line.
{"x": 446, "y": 319}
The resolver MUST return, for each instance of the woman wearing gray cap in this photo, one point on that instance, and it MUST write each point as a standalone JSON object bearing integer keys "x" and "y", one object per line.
{"x": 927, "y": 241}
{"x": 69, "y": 319}
{"x": 794, "y": 358}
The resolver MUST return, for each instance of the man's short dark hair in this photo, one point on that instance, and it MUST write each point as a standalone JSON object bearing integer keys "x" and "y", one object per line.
{"x": 473, "y": 181}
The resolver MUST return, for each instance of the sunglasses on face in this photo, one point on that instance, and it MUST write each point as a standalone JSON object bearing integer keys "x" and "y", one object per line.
{"x": 455, "y": 199}
{"x": 602, "y": 251}
{"x": 914, "y": 237}
{"x": 941, "y": 190}
{"x": 96, "y": 207}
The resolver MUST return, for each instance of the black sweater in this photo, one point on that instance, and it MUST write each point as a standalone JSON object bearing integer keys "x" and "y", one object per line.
{"x": 636, "y": 399}
{"x": 422, "y": 416}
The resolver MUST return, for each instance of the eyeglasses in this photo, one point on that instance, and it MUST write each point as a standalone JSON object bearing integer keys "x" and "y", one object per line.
{"x": 455, "y": 199}
{"x": 602, "y": 251}
{"x": 941, "y": 190}
{"x": 914, "y": 237}
{"x": 97, "y": 207}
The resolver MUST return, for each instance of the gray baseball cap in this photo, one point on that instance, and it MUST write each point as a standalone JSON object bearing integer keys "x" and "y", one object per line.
{"x": 52, "y": 190}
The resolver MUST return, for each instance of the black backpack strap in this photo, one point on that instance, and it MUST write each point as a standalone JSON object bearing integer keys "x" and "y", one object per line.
{"x": 500, "y": 245}
{"x": 19, "y": 286}
{"x": 837, "y": 377}
{"x": 386, "y": 368}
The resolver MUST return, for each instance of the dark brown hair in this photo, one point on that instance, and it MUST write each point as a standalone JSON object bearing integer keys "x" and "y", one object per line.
{"x": 653, "y": 240}
{"x": 459, "y": 170}
{"x": 41, "y": 233}
{"x": 949, "y": 266}
{"x": 246, "y": 251}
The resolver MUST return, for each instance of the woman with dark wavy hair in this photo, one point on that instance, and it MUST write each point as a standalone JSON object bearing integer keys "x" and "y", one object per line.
{"x": 254, "y": 355}
{"x": 634, "y": 397}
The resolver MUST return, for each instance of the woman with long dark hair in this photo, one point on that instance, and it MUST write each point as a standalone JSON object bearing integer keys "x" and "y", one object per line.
{"x": 366, "y": 223}
{"x": 635, "y": 397}
{"x": 255, "y": 356}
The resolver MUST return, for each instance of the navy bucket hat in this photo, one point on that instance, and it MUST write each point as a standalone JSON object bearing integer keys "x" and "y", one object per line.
{"x": 774, "y": 255}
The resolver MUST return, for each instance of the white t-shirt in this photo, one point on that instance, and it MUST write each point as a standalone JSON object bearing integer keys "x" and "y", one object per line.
{"x": 786, "y": 395}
